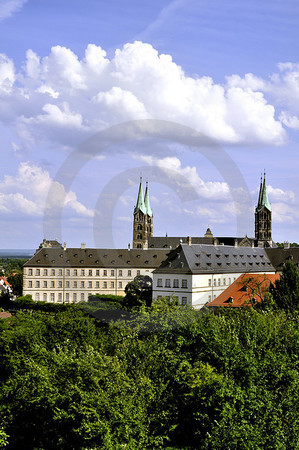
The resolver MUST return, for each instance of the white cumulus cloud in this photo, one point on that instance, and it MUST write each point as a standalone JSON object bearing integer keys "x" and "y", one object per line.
{"x": 27, "y": 191}
{"x": 64, "y": 98}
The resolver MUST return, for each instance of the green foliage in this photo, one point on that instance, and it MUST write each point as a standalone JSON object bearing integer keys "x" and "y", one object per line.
{"x": 12, "y": 265}
{"x": 16, "y": 281}
{"x": 138, "y": 292}
{"x": 286, "y": 290}
{"x": 167, "y": 377}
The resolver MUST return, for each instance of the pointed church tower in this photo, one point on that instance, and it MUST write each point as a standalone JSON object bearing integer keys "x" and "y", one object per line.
{"x": 263, "y": 217}
{"x": 143, "y": 219}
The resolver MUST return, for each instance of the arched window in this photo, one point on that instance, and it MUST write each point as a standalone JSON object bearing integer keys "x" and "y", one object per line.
{"x": 149, "y": 220}
{"x": 139, "y": 246}
{"x": 139, "y": 227}
{"x": 139, "y": 236}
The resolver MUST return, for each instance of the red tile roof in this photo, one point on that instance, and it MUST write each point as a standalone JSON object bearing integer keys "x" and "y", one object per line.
{"x": 247, "y": 287}
{"x": 4, "y": 315}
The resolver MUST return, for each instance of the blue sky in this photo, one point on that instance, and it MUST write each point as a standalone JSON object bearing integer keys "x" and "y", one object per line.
{"x": 69, "y": 70}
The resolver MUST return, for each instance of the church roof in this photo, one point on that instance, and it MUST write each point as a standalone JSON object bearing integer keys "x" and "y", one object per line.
{"x": 263, "y": 201}
{"x": 140, "y": 205}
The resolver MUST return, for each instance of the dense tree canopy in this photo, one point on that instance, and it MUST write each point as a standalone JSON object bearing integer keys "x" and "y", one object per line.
{"x": 168, "y": 377}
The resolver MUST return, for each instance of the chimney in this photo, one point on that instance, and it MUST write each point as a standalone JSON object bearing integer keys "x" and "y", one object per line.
{"x": 64, "y": 246}
{"x": 83, "y": 246}
{"x": 286, "y": 244}
{"x": 236, "y": 242}
{"x": 129, "y": 247}
{"x": 252, "y": 244}
{"x": 189, "y": 240}
{"x": 215, "y": 241}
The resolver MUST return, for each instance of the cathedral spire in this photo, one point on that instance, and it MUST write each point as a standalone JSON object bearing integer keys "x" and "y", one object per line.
{"x": 263, "y": 201}
{"x": 147, "y": 202}
{"x": 263, "y": 217}
{"x": 140, "y": 206}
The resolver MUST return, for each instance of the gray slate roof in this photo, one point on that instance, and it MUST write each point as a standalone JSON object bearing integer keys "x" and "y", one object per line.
{"x": 201, "y": 258}
{"x": 279, "y": 255}
{"x": 97, "y": 258}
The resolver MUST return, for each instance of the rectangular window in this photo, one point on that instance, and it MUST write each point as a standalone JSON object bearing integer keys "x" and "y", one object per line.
{"x": 52, "y": 297}
{"x": 214, "y": 281}
{"x": 105, "y": 284}
{"x": 219, "y": 281}
{"x": 167, "y": 282}
{"x": 138, "y": 272}
{"x": 120, "y": 285}
{"x": 90, "y": 284}
{"x": 159, "y": 282}
{"x": 175, "y": 283}
{"x": 44, "y": 297}
{"x": 30, "y": 272}
{"x": 37, "y": 284}
{"x": 90, "y": 273}
{"x": 75, "y": 272}
{"x": 229, "y": 281}
{"x": 129, "y": 273}
{"x": 75, "y": 284}
{"x": 112, "y": 284}
{"x": 67, "y": 297}
{"x": 46, "y": 272}
{"x": 184, "y": 301}
{"x": 82, "y": 272}
{"x": 60, "y": 284}
{"x": 184, "y": 283}
{"x": 74, "y": 297}
{"x": 112, "y": 273}
{"x": 37, "y": 297}
{"x": 68, "y": 272}
{"x": 224, "y": 281}
{"x": 82, "y": 296}
{"x": 120, "y": 273}
{"x": 52, "y": 272}
{"x": 30, "y": 284}
{"x": 60, "y": 272}
{"x": 60, "y": 297}
{"x": 67, "y": 284}
{"x": 210, "y": 282}
{"x": 52, "y": 284}
{"x": 97, "y": 284}
{"x": 82, "y": 284}
{"x": 37, "y": 272}
{"x": 97, "y": 273}
{"x": 210, "y": 298}
{"x": 105, "y": 272}
{"x": 45, "y": 284}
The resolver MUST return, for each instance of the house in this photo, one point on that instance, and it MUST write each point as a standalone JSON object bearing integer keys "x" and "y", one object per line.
{"x": 197, "y": 273}
{"x": 245, "y": 290}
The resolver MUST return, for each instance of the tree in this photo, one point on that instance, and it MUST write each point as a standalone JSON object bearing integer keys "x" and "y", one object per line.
{"x": 139, "y": 291}
{"x": 286, "y": 290}
{"x": 16, "y": 281}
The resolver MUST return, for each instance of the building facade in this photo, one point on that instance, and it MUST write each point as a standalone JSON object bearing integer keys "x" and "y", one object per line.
{"x": 197, "y": 273}
{"x": 60, "y": 274}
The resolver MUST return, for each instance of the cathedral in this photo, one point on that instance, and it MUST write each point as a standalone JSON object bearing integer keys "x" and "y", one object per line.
{"x": 143, "y": 226}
